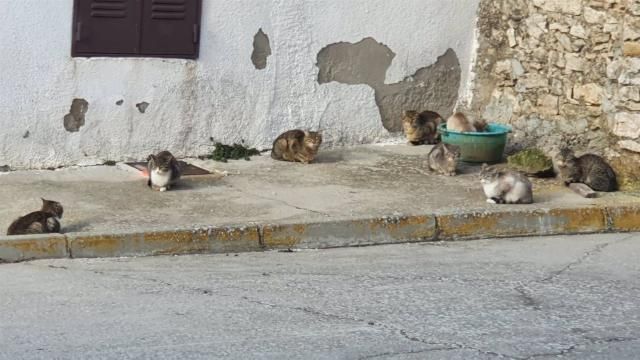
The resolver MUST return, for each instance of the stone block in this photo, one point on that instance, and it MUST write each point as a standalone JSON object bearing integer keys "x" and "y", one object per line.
{"x": 32, "y": 247}
{"x": 384, "y": 230}
{"x": 589, "y": 93}
{"x": 572, "y": 7}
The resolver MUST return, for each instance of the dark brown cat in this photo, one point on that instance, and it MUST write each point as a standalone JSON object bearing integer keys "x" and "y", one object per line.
{"x": 589, "y": 169}
{"x": 297, "y": 145}
{"x": 163, "y": 169}
{"x": 421, "y": 128}
{"x": 45, "y": 220}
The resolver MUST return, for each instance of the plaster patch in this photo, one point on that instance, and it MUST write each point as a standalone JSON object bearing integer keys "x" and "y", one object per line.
{"x": 364, "y": 62}
{"x": 261, "y": 50}
{"x": 434, "y": 87}
{"x": 142, "y": 107}
{"x": 74, "y": 120}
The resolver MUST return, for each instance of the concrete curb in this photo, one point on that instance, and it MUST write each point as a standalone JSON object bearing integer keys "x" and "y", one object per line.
{"x": 340, "y": 233}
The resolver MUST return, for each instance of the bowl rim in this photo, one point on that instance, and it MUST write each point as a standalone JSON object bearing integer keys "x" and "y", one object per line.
{"x": 505, "y": 129}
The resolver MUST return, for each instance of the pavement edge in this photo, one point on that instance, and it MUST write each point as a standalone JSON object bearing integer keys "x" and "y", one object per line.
{"x": 330, "y": 234}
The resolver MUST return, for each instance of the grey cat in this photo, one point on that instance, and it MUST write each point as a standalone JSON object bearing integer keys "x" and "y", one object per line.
{"x": 505, "y": 186}
{"x": 589, "y": 169}
{"x": 164, "y": 171}
{"x": 46, "y": 220}
{"x": 443, "y": 159}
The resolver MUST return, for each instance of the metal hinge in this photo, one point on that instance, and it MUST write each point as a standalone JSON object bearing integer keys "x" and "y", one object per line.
{"x": 195, "y": 33}
{"x": 78, "y": 31}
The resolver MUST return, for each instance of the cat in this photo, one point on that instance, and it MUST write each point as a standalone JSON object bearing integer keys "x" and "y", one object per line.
{"x": 421, "y": 128}
{"x": 297, "y": 145}
{"x": 459, "y": 122}
{"x": 589, "y": 169}
{"x": 164, "y": 171}
{"x": 46, "y": 220}
{"x": 505, "y": 186}
{"x": 443, "y": 159}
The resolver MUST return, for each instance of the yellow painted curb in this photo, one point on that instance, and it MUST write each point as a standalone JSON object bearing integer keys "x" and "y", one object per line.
{"x": 625, "y": 218}
{"x": 521, "y": 223}
{"x": 352, "y": 232}
{"x": 31, "y": 247}
{"x": 170, "y": 242}
{"x": 383, "y": 230}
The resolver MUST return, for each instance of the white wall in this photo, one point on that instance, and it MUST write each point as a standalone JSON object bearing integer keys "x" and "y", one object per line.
{"x": 221, "y": 94}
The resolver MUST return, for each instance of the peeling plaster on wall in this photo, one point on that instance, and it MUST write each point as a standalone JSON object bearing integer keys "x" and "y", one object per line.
{"x": 220, "y": 94}
{"x": 261, "y": 50}
{"x": 434, "y": 87}
{"x": 74, "y": 120}
{"x": 364, "y": 62}
{"x": 142, "y": 107}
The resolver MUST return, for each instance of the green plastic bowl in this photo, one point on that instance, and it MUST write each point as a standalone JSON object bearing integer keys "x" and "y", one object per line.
{"x": 478, "y": 147}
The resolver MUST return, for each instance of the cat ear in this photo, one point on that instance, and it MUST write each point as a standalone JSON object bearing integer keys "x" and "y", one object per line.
{"x": 150, "y": 157}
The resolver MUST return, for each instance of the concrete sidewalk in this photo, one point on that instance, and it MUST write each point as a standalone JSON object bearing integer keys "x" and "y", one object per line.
{"x": 351, "y": 196}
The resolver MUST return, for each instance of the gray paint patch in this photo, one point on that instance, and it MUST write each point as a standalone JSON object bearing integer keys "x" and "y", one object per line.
{"x": 142, "y": 107}
{"x": 364, "y": 62}
{"x": 74, "y": 120}
{"x": 261, "y": 50}
{"x": 434, "y": 87}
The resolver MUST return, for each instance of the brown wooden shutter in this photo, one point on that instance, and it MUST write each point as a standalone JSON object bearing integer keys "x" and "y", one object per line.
{"x": 170, "y": 28}
{"x": 106, "y": 27}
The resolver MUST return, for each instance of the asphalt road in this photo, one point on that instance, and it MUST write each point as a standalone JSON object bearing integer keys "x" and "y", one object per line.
{"x": 533, "y": 298}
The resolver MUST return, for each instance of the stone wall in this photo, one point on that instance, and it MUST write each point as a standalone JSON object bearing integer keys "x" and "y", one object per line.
{"x": 563, "y": 72}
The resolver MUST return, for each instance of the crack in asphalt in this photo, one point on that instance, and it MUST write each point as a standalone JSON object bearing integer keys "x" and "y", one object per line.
{"x": 572, "y": 348}
{"x": 524, "y": 293}
{"x": 422, "y": 351}
{"x": 584, "y": 257}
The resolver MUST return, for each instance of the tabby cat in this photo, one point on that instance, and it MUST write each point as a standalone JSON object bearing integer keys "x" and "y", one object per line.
{"x": 421, "y": 128}
{"x": 443, "y": 159}
{"x": 45, "y": 220}
{"x": 297, "y": 145}
{"x": 505, "y": 186}
{"x": 164, "y": 171}
{"x": 459, "y": 122}
{"x": 589, "y": 169}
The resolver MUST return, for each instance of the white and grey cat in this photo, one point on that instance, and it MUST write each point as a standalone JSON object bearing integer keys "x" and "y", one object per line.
{"x": 504, "y": 186}
{"x": 164, "y": 171}
{"x": 443, "y": 159}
